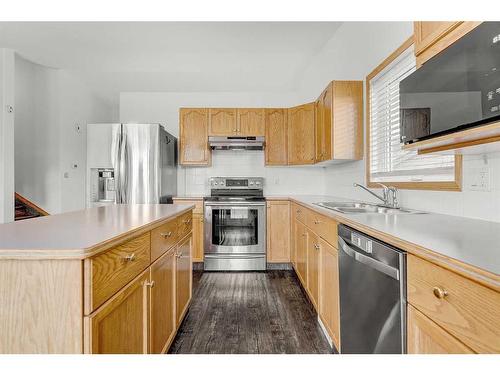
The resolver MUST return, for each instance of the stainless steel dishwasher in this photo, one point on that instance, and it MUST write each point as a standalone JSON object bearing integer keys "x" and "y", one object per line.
{"x": 372, "y": 294}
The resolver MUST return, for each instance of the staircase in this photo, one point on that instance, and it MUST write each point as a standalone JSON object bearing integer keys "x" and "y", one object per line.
{"x": 26, "y": 209}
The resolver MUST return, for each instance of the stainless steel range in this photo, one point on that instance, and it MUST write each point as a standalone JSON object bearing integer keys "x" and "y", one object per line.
{"x": 235, "y": 224}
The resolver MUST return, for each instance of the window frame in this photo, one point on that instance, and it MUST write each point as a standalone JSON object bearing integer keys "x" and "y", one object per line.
{"x": 455, "y": 185}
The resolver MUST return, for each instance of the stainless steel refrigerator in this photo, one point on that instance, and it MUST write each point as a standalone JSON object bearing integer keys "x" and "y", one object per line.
{"x": 142, "y": 167}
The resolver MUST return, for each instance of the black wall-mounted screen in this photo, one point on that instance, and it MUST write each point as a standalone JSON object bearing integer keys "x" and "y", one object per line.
{"x": 454, "y": 90}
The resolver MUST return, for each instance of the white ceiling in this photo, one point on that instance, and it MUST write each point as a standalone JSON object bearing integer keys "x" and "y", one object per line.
{"x": 173, "y": 56}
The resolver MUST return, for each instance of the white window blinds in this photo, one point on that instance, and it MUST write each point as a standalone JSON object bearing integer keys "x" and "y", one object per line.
{"x": 388, "y": 161}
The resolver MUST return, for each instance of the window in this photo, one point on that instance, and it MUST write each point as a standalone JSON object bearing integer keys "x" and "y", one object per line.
{"x": 387, "y": 161}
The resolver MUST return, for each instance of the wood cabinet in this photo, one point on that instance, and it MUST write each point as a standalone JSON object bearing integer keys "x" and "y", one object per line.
{"x": 193, "y": 139}
{"x": 183, "y": 278}
{"x": 329, "y": 294}
{"x": 301, "y": 139}
{"x": 121, "y": 324}
{"x": 250, "y": 122}
{"x": 162, "y": 311}
{"x": 426, "y": 337}
{"x": 276, "y": 126}
{"x": 465, "y": 309}
{"x": 198, "y": 232}
{"x": 313, "y": 254}
{"x": 432, "y": 37}
{"x": 278, "y": 231}
{"x": 339, "y": 122}
{"x": 222, "y": 122}
{"x": 301, "y": 252}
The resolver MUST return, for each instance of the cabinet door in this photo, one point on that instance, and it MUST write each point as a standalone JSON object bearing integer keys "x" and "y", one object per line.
{"x": 222, "y": 121}
{"x": 193, "y": 142}
{"x": 250, "y": 122}
{"x": 329, "y": 307}
{"x": 301, "y": 252}
{"x": 120, "y": 326}
{"x": 428, "y": 32}
{"x": 183, "y": 277}
{"x": 276, "y": 124}
{"x": 198, "y": 231}
{"x": 426, "y": 337}
{"x": 278, "y": 231}
{"x": 301, "y": 139}
{"x": 313, "y": 252}
{"x": 162, "y": 313}
{"x": 324, "y": 125}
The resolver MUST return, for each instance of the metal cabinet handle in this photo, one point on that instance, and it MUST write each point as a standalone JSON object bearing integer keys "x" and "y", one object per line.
{"x": 178, "y": 255}
{"x": 317, "y": 221}
{"x": 129, "y": 258}
{"x": 150, "y": 284}
{"x": 168, "y": 234}
{"x": 187, "y": 221}
{"x": 316, "y": 246}
{"x": 439, "y": 292}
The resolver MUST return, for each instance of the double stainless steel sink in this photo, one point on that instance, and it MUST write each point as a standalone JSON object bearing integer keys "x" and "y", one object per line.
{"x": 364, "y": 208}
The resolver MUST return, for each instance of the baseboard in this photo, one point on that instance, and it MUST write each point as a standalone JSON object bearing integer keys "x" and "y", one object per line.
{"x": 197, "y": 266}
{"x": 279, "y": 266}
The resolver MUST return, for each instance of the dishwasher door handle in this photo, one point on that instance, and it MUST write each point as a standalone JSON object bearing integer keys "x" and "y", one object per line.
{"x": 370, "y": 262}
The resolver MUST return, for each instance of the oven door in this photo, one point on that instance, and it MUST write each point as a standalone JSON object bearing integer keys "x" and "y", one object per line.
{"x": 235, "y": 228}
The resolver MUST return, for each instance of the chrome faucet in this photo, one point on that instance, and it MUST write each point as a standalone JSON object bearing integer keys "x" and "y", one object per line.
{"x": 389, "y": 196}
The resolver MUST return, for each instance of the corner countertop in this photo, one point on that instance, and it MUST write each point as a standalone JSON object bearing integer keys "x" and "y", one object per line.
{"x": 80, "y": 234}
{"x": 470, "y": 246}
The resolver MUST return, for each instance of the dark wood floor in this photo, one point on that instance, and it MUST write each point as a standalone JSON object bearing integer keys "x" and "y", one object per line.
{"x": 249, "y": 313}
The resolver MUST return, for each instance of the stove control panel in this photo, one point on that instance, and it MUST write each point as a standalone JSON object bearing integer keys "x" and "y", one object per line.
{"x": 236, "y": 182}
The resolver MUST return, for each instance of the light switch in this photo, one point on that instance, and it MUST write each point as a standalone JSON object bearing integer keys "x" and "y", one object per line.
{"x": 479, "y": 179}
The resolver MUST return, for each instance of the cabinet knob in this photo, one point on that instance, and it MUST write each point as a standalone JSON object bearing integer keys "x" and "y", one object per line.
{"x": 129, "y": 258}
{"x": 439, "y": 292}
{"x": 168, "y": 234}
{"x": 187, "y": 221}
{"x": 316, "y": 246}
{"x": 317, "y": 221}
{"x": 149, "y": 284}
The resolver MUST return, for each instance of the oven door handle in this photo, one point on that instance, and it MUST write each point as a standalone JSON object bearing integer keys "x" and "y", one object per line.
{"x": 370, "y": 262}
{"x": 235, "y": 204}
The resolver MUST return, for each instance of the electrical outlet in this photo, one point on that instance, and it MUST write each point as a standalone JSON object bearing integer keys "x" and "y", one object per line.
{"x": 480, "y": 179}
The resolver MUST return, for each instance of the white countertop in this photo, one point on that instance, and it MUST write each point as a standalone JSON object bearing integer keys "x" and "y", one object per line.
{"x": 74, "y": 233}
{"x": 470, "y": 241}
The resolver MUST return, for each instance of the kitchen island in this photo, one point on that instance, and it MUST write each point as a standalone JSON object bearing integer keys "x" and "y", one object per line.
{"x": 113, "y": 279}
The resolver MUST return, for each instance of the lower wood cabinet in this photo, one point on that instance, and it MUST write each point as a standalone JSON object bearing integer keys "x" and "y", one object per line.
{"x": 121, "y": 325}
{"x": 183, "y": 278}
{"x": 301, "y": 252}
{"x": 162, "y": 310}
{"x": 313, "y": 267}
{"x": 198, "y": 232}
{"x": 329, "y": 295}
{"x": 426, "y": 337}
{"x": 278, "y": 231}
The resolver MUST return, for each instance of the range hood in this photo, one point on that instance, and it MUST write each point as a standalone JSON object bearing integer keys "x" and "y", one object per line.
{"x": 236, "y": 143}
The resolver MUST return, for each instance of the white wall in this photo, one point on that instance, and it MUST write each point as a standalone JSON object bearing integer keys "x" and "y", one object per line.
{"x": 7, "y": 89}
{"x": 353, "y": 52}
{"x": 163, "y": 107}
{"x": 49, "y": 105}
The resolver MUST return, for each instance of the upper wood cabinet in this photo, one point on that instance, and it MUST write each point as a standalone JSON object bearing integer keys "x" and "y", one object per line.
{"x": 120, "y": 326}
{"x": 222, "y": 122}
{"x": 193, "y": 123}
{"x": 426, "y": 337}
{"x": 278, "y": 231}
{"x": 339, "y": 122}
{"x": 432, "y": 37}
{"x": 250, "y": 122}
{"x": 162, "y": 303}
{"x": 276, "y": 126}
{"x": 301, "y": 139}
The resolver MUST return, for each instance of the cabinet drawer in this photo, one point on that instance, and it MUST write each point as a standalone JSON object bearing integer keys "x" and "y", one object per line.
{"x": 299, "y": 213}
{"x": 323, "y": 226}
{"x": 185, "y": 224}
{"x": 198, "y": 209}
{"x": 163, "y": 238}
{"x": 110, "y": 271}
{"x": 467, "y": 310}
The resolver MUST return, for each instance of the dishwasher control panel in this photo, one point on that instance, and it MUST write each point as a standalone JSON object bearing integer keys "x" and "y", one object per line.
{"x": 363, "y": 243}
